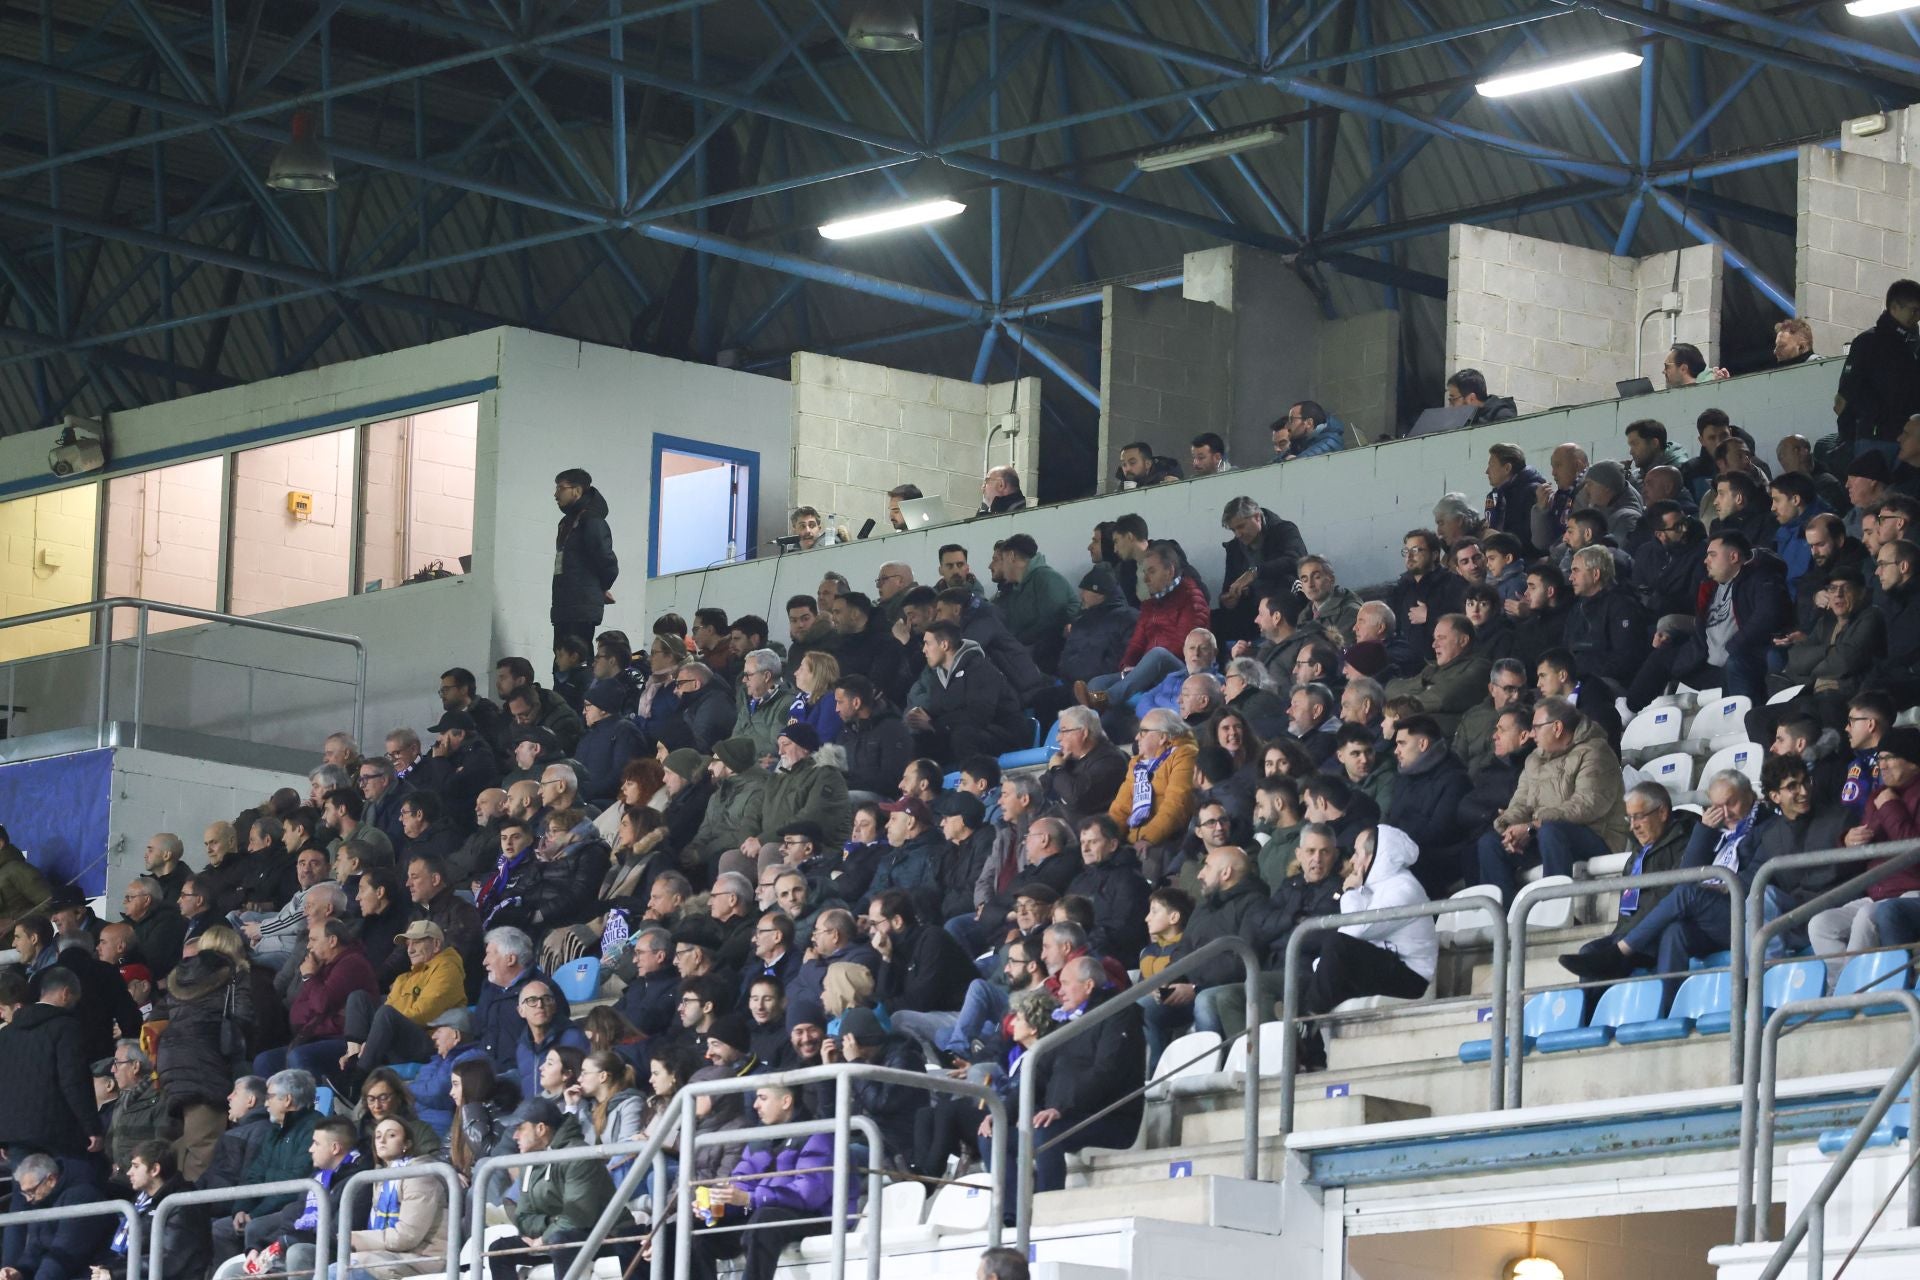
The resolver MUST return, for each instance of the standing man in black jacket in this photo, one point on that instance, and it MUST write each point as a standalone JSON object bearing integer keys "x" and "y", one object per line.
{"x": 584, "y": 566}
{"x": 48, "y": 1103}
{"x": 1880, "y": 384}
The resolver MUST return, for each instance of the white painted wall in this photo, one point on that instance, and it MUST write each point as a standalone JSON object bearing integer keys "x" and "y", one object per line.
{"x": 155, "y": 792}
{"x": 563, "y": 403}
{"x": 1353, "y": 505}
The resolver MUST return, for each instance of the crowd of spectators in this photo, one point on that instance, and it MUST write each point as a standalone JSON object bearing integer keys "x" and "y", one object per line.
{"x": 792, "y": 845}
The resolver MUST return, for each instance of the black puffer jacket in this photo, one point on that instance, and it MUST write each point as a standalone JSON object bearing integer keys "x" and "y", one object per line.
{"x": 957, "y": 869}
{"x": 588, "y": 567}
{"x": 1241, "y": 912}
{"x": 1097, "y": 1068}
{"x": 978, "y": 695}
{"x": 566, "y": 890}
{"x": 203, "y": 996}
{"x": 878, "y": 748}
{"x": 1119, "y": 894}
{"x": 1426, "y": 798}
{"x": 48, "y": 1102}
{"x": 1880, "y": 384}
{"x": 982, "y": 625}
{"x": 704, "y": 718}
{"x": 875, "y": 654}
{"x": 1295, "y": 900}
{"x": 1098, "y": 638}
{"x": 1608, "y": 635}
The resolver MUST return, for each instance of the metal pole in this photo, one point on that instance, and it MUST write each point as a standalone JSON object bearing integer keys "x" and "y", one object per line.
{"x": 343, "y": 1236}
{"x": 683, "y": 1193}
{"x": 140, "y": 671}
{"x": 213, "y": 1195}
{"x": 1250, "y": 1088}
{"x": 842, "y": 1137}
{"x": 657, "y": 1268}
{"x": 93, "y": 1209}
{"x": 1756, "y": 1159}
{"x": 104, "y": 624}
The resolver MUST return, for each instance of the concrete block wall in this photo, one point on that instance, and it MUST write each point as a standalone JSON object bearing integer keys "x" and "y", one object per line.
{"x": 1165, "y": 368}
{"x": 1552, "y": 324}
{"x": 1242, "y": 340}
{"x": 1854, "y": 231}
{"x": 1357, "y": 373}
{"x": 163, "y": 539}
{"x": 419, "y": 493}
{"x": 860, "y": 429}
{"x": 278, "y": 560}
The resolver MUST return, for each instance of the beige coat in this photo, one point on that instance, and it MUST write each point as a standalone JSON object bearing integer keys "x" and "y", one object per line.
{"x": 1581, "y": 785}
{"x": 417, "y": 1244}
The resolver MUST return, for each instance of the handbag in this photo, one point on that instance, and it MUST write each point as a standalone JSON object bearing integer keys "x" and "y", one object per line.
{"x": 233, "y": 1043}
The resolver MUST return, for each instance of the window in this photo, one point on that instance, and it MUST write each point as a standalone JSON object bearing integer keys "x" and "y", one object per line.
{"x": 292, "y": 523}
{"x": 163, "y": 541}
{"x": 48, "y": 545}
{"x": 417, "y": 511}
{"x": 705, "y": 499}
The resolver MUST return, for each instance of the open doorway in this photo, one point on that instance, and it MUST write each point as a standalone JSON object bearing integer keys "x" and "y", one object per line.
{"x": 705, "y": 505}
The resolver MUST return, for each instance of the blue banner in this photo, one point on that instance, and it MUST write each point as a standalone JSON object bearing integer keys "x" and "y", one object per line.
{"x": 55, "y": 812}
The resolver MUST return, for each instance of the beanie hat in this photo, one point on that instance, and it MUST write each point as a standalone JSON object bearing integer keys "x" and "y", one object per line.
{"x": 1369, "y": 658}
{"x": 686, "y": 762}
{"x": 738, "y": 754}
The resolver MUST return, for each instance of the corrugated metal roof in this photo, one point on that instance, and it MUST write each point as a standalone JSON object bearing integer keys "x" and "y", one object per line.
{"x": 533, "y": 286}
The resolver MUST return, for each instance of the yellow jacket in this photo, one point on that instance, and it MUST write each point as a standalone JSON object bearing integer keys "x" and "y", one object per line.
{"x": 426, "y": 991}
{"x": 1174, "y": 800}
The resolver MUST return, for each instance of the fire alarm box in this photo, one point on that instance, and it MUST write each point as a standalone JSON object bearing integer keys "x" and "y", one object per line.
{"x": 300, "y": 505}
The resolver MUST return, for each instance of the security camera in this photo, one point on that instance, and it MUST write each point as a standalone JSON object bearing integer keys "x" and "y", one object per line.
{"x": 82, "y": 447}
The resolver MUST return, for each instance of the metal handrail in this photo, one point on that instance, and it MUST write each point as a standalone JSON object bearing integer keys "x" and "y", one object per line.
{"x": 343, "y": 1244}
{"x": 486, "y": 1167}
{"x": 93, "y": 1209}
{"x": 1755, "y": 1178}
{"x": 1906, "y": 854}
{"x": 322, "y": 1225}
{"x": 103, "y": 644}
{"x": 1811, "y": 1224}
{"x": 1110, "y": 1008}
{"x": 1290, "y": 990}
{"x": 1515, "y": 990}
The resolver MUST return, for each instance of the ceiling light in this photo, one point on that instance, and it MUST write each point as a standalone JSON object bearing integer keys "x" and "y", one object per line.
{"x": 1227, "y": 142}
{"x": 1874, "y": 8}
{"x": 1554, "y": 75}
{"x": 302, "y": 164}
{"x": 906, "y": 215}
{"x": 884, "y": 26}
{"x": 1535, "y": 1269}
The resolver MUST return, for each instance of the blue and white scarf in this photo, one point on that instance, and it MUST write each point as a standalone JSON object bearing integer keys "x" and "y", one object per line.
{"x": 1143, "y": 787}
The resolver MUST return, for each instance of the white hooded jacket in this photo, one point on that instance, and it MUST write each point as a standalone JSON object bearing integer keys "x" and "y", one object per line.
{"x": 1390, "y": 883}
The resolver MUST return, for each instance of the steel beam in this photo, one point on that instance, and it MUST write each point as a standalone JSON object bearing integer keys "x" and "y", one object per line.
{"x": 1753, "y": 50}
{"x": 1749, "y": 15}
{"x": 1781, "y": 298}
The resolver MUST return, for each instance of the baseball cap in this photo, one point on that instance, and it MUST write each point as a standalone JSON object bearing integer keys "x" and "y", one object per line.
{"x": 535, "y": 1111}
{"x": 963, "y": 805}
{"x": 921, "y": 814}
{"x": 420, "y": 930}
{"x": 461, "y": 720}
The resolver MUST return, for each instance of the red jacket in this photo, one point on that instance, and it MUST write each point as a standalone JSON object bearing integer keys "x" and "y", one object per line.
{"x": 319, "y": 1008}
{"x": 1897, "y": 819}
{"x": 1164, "y": 623}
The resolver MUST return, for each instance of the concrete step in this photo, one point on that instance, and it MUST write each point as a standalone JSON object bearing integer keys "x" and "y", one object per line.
{"x": 1404, "y": 1019}
{"x": 1435, "y": 1042}
{"x": 1201, "y": 1198}
{"x": 1544, "y": 950}
{"x": 1312, "y": 1109}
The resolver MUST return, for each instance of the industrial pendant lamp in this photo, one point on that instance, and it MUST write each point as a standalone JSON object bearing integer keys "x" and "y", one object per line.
{"x": 884, "y": 26}
{"x": 302, "y": 164}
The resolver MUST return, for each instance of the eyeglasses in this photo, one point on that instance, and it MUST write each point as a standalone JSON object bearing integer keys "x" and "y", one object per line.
{"x": 1212, "y": 822}
{"x": 385, "y": 1095}
{"x": 535, "y": 1002}
{"x": 372, "y": 777}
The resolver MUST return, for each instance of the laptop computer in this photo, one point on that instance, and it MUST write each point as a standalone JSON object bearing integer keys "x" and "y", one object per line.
{"x": 1630, "y": 387}
{"x": 1440, "y": 418}
{"x": 918, "y": 513}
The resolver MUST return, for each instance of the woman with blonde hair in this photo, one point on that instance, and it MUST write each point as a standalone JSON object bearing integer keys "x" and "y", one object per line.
{"x": 847, "y": 985}
{"x": 813, "y": 705}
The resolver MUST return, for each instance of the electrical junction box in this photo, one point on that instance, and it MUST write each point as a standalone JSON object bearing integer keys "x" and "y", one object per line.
{"x": 300, "y": 505}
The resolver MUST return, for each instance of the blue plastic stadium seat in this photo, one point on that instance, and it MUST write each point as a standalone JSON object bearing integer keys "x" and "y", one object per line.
{"x": 1796, "y": 980}
{"x": 579, "y": 980}
{"x": 1039, "y": 754}
{"x": 1698, "y": 996}
{"x": 951, "y": 781}
{"x": 1716, "y": 960}
{"x": 1623, "y": 1002}
{"x": 1548, "y": 1011}
{"x": 1885, "y": 1134}
{"x": 1878, "y": 971}
{"x": 406, "y": 1070}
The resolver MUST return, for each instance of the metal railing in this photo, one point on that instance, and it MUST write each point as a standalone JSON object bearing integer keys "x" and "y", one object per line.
{"x": 93, "y": 1209}
{"x": 371, "y": 1178}
{"x": 1290, "y": 986}
{"x": 680, "y": 1113}
{"x": 102, "y": 612}
{"x": 1905, "y": 854}
{"x": 1109, "y": 1009}
{"x": 322, "y": 1224}
{"x": 1528, "y": 897}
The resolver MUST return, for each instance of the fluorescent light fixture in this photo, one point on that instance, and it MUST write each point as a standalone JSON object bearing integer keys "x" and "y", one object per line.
{"x": 1874, "y": 8}
{"x": 906, "y": 215}
{"x": 1228, "y": 142}
{"x": 1554, "y": 75}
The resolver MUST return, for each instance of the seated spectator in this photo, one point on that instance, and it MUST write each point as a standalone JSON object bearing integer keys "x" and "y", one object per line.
{"x": 1661, "y": 836}
{"x": 558, "y": 1203}
{"x": 970, "y": 708}
{"x": 62, "y": 1247}
{"x": 1668, "y": 567}
{"x": 1037, "y": 604}
{"x": 1541, "y": 613}
{"x": 1733, "y": 630}
{"x": 1082, "y": 1086}
{"x": 735, "y": 809}
{"x": 1110, "y": 878}
{"x": 1155, "y": 801}
{"x": 1833, "y": 662}
{"x": 1606, "y": 490}
{"x": 1173, "y": 608}
{"x": 761, "y": 700}
{"x": 1554, "y": 503}
{"x": 962, "y": 865}
{"x": 1085, "y": 768}
{"x": 1262, "y": 559}
{"x": 1449, "y": 685}
{"x": 1473, "y": 737}
{"x": 1207, "y": 455}
{"x": 1395, "y": 958}
{"x": 284, "y": 1153}
{"x": 705, "y": 711}
{"x": 400, "y": 1030}
{"x": 1692, "y": 920}
{"x": 1282, "y": 635}
{"x": 153, "y": 1175}
{"x": 1892, "y": 814}
{"x": 1607, "y": 632}
{"x": 874, "y": 737}
{"x": 1567, "y": 807}
{"x": 1431, "y": 782}
{"x": 408, "y": 1218}
{"x": 802, "y": 790}
{"x": 1306, "y": 432}
{"x": 452, "y": 1040}
{"x": 914, "y": 844}
{"x": 1425, "y": 593}
{"x": 1233, "y": 903}
{"x": 1459, "y": 525}
{"x": 1506, "y": 574}
{"x": 1000, "y": 492}
{"x": 609, "y": 744}
{"x": 1370, "y": 772}
{"x": 1312, "y": 722}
